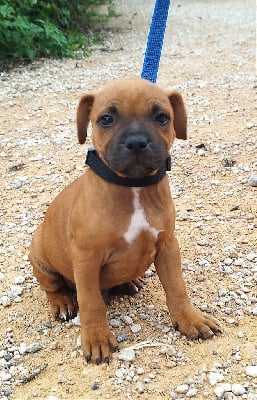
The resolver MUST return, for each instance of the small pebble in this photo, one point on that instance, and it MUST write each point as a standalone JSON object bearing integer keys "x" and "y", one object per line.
{"x": 121, "y": 337}
{"x": 127, "y": 354}
{"x": 135, "y": 328}
{"x": 126, "y": 319}
{"x": 215, "y": 377}
{"x": 15, "y": 291}
{"x": 191, "y": 392}
{"x": 5, "y": 301}
{"x": 140, "y": 371}
{"x": 33, "y": 348}
{"x": 238, "y": 389}
{"x": 120, "y": 373}
{"x": 140, "y": 387}
{"x": 221, "y": 389}
{"x": 19, "y": 279}
{"x": 251, "y": 370}
{"x": 253, "y": 181}
{"x": 115, "y": 323}
{"x": 228, "y": 261}
{"x": 182, "y": 389}
{"x": 95, "y": 386}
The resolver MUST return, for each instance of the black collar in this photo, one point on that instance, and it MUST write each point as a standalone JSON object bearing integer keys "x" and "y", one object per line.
{"x": 101, "y": 169}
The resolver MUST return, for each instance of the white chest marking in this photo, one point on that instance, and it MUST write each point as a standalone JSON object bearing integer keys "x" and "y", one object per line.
{"x": 138, "y": 220}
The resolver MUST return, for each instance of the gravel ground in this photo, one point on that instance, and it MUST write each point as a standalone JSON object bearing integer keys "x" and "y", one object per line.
{"x": 209, "y": 55}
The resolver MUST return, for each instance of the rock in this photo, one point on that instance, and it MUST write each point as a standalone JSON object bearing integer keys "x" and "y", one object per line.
{"x": 135, "y": 328}
{"x": 5, "y": 301}
{"x": 62, "y": 379}
{"x": 95, "y": 386}
{"x": 19, "y": 280}
{"x": 76, "y": 321}
{"x": 140, "y": 371}
{"x": 215, "y": 377}
{"x": 228, "y": 261}
{"x": 126, "y": 319}
{"x": 191, "y": 392}
{"x": 221, "y": 389}
{"x": 253, "y": 181}
{"x": 31, "y": 348}
{"x": 5, "y": 376}
{"x": 120, "y": 373}
{"x": 121, "y": 337}
{"x": 15, "y": 291}
{"x": 52, "y": 398}
{"x": 251, "y": 370}
{"x": 181, "y": 389}
{"x": 238, "y": 389}
{"x": 127, "y": 354}
{"x": 115, "y": 323}
{"x": 140, "y": 387}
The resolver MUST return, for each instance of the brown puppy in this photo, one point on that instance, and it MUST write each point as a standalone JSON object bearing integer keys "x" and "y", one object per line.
{"x": 98, "y": 234}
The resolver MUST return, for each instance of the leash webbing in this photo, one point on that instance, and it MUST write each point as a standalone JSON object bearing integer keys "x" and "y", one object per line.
{"x": 155, "y": 40}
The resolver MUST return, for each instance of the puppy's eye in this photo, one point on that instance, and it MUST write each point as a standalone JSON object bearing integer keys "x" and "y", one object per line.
{"x": 161, "y": 118}
{"x": 106, "y": 120}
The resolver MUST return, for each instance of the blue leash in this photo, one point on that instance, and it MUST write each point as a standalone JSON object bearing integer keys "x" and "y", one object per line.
{"x": 155, "y": 40}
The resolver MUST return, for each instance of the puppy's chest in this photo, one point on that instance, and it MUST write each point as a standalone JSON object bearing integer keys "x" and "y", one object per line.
{"x": 138, "y": 221}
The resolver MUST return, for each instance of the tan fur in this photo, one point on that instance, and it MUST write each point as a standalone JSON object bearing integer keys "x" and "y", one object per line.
{"x": 82, "y": 240}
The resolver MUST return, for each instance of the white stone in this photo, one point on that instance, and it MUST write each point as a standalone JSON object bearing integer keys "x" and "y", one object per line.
{"x": 140, "y": 371}
{"x": 5, "y": 301}
{"x": 127, "y": 354}
{"x": 140, "y": 387}
{"x": 251, "y": 370}
{"x": 15, "y": 291}
{"x": 228, "y": 261}
{"x": 120, "y": 373}
{"x": 52, "y": 398}
{"x": 221, "y": 389}
{"x": 215, "y": 377}
{"x": 4, "y": 376}
{"x": 19, "y": 280}
{"x": 191, "y": 392}
{"x": 115, "y": 323}
{"x": 238, "y": 389}
{"x": 126, "y": 319}
{"x": 136, "y": 328}
{"x": 182, "y": 388}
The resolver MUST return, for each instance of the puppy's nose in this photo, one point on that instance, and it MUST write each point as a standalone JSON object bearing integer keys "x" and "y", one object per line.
{"x": 136, "y": 144}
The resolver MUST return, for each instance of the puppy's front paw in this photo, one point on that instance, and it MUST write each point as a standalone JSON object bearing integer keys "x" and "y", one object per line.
{"x": 196, "y": 324}
{"x": 97, "y": 343}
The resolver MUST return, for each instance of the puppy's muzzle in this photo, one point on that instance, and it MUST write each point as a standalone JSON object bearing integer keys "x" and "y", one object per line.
{"x": 136, "y": 151}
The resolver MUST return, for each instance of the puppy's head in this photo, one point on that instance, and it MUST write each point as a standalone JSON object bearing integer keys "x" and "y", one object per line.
{"x": 134, "y": 125}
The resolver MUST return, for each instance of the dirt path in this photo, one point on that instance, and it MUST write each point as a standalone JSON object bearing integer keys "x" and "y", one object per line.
{"x": 209, "y": 55}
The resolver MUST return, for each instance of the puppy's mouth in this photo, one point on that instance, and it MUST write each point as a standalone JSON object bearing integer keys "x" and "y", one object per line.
{"x": 136, "y": 162}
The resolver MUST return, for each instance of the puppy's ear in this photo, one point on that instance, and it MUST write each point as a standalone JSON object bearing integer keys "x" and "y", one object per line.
{"x": 83, "y": 116}
{"x": 180, "y": 116}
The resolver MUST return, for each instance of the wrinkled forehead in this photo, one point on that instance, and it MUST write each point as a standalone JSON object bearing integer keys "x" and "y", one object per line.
{"x": 132, "y": 97}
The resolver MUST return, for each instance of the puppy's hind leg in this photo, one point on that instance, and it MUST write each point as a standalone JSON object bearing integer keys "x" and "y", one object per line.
{"x": 63, "y": 302}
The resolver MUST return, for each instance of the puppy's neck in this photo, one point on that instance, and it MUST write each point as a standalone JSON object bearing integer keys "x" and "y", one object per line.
{"x": 101, "y": 169}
